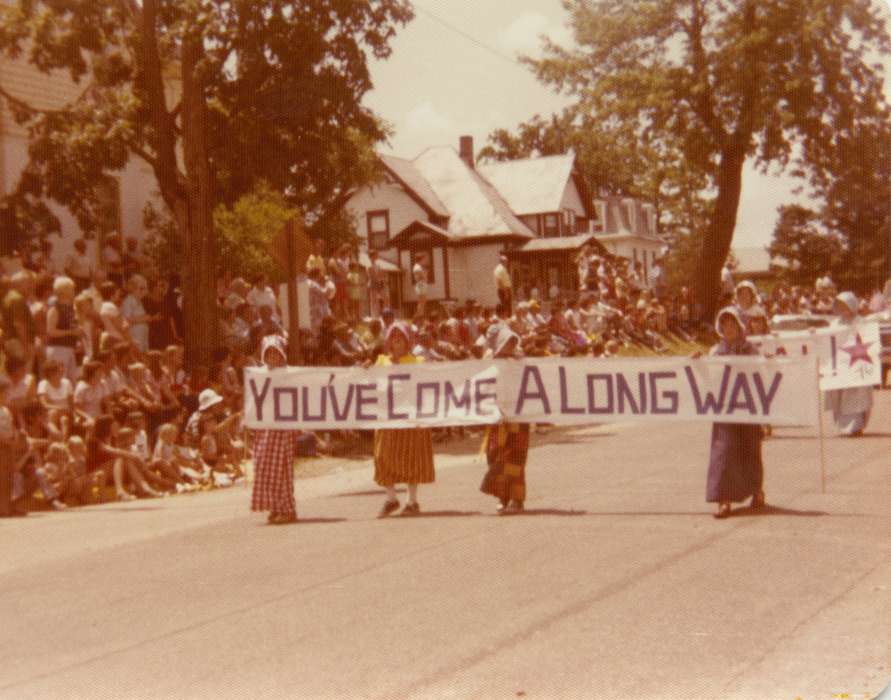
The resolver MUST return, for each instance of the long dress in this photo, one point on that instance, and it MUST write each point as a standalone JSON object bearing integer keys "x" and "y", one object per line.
{"x": 507, "y": 447}
{"x": 735, "y": 469}
{"x": 273, "y": 453}
{"x": 402, "y": 455}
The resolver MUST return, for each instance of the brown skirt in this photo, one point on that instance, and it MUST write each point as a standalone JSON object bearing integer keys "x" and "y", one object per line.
{"x": 403, "y": 456}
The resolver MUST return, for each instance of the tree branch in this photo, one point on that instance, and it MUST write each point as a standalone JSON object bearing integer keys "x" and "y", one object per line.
{"x": 703, "y": 102}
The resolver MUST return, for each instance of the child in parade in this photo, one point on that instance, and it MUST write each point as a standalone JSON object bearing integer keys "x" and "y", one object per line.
{"x": 273, "y": 453}
{"x": 401, "y": 456}
{"x": 735, "y": 470}
{"x": 507, "y": 446}
{"x": 850, "y": 407}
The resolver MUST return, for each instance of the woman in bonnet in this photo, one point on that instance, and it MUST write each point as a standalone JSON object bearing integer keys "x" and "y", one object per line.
{"x": 273, "y": 453}
{"x": 735, "y": 470}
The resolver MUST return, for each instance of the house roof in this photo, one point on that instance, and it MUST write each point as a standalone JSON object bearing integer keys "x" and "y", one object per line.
{"x": 385, "y": 265}
{"x": 531, "y": 185}
{"x": 541, "y": 245}
{"x": 409, "y": 176}
{"x": 618, "y": 220}
{"x": 475, "y": 208}
{"x": 426, "y": 226}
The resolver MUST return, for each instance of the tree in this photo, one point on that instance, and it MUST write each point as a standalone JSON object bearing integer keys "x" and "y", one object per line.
{"x": 247, "y": 230}
{"x": 214, "y": 95}
{"x": 807, "y": 252}
{"x": 719, "y": 83}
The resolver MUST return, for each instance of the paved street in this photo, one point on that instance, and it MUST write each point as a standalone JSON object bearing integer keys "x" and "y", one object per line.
{"x": 617, "y": 583}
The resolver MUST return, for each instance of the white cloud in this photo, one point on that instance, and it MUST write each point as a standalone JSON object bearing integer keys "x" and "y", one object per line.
{"x": 426, "y": 117}
{"x": 523, "y": 34}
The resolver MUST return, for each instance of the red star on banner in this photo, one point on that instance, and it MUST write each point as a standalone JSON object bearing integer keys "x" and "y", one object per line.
{"x": 858, "y": 351}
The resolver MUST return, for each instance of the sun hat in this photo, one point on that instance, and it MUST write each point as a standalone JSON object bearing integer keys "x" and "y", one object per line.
{"x": 276, "y": 342}
{"x": 208, "y": 399}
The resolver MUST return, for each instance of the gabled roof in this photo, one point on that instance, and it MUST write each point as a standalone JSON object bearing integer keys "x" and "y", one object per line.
{"x": 475, "y": 208}
{"x": 531, "y": 185}
{"x": 540, "y": 245}
{"x": 618, "y": 221}
{"x": 408, "y": 176}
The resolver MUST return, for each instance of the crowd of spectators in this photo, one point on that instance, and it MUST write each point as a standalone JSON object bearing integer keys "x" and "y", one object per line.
{"x": 97, "y": 403}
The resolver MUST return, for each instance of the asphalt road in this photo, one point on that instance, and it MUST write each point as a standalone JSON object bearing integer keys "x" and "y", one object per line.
{"x": 617, "y": 583}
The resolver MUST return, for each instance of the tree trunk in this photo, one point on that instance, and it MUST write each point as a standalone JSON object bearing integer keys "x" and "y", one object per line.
{"x": 719, "y": 235}
{"x": 199, "y": 275}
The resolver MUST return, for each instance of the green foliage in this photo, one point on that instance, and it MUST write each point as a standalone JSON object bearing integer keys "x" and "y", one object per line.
{"x": 707, "y": 84}
{"x": 246, "y": 231}
{"x": 806, "y": 251}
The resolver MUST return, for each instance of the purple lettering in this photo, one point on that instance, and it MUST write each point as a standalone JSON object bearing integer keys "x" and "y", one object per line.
{"x": 741, "y": 386}
{"x": 339, "y": 414}
{"x": 277, "y": 394}
{"x": 767, "y": 399}
{"x": 607, "y": 379}
{"x": 624, "y": 392}
{"x": 258, "y": 398}
{"x": 391, "y": 399}
{"x": 422, "y": 388}
{"x": 564, "y": 395}
{"x": 323, "y": 407}
{"x": 672, "y": 396}
{"x": 480, "y": 396}
{"x": 531, "y": 371}
{"x": 709, "y": 404}
{"x": 451, "y": 398}
{"x": 363, "y": 400}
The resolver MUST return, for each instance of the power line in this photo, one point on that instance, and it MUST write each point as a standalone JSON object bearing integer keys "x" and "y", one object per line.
{"x": 472, "y": 39}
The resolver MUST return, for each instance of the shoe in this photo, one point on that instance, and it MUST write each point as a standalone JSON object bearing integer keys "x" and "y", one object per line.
{"x": 124, "y": 496}
{"x": 513, "y": 508}
{"x": 283, "y": 518}
{"x": 723, "y": 511}
{"x": 501, "y": 507}
{"x": 411, "y": 509}
{"x": 389, "y": 507}
{"x": 58, "y": 505}
{"x": 757, "y": 500}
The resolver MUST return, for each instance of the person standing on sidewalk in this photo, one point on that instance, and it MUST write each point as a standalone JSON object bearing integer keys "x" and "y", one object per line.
{"x": 504, "y": 284}
{"x": 273, "y": 452}
{"x": 404, "y": 455}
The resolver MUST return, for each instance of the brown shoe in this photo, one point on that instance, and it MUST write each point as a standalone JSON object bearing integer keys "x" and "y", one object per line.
{"x": 410, "y": 510}
{"x": 758, "y": 500}
{"x": 723, "y": 511}
{"x": 388, "y": 507}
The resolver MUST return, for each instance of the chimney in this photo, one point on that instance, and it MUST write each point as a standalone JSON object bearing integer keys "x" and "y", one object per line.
{"x": 465, "y": 150}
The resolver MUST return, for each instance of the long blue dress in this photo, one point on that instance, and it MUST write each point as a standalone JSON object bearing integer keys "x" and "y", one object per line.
{"x": 735, "y": 469}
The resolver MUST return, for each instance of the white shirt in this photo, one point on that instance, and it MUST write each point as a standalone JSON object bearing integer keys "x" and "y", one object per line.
{"x": 502, "y": 277}
{"x": 139, "y": 332}
{"x": 88, "y": 399}
{"x": 262, "y": 297}
{"x": 78, "y": 265}
{"x": 56, "y": 396}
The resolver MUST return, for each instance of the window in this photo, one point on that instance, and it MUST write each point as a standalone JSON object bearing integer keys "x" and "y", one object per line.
{"x": 551, "y": 225}
{"x": 568, "y": 221}
{"x": 378, "y": 229}
{"x": 631, "y": 213}
{"x": 108, "y": 194}
{"x": 634, "y": 250}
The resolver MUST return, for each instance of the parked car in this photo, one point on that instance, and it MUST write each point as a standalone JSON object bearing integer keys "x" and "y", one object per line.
{"x": 799, "y": 322}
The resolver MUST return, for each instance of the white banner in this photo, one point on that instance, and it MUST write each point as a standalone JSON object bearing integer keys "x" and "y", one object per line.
{"x": 535, "y": 390}
{"x": 848, "y": 355}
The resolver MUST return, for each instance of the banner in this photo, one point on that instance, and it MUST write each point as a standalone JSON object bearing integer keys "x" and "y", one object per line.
{"x": 534, "y": 390}
{"x": 848, "y": 355}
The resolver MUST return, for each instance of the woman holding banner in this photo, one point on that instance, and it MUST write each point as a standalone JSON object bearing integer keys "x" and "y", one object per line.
{"x": 735, "y": 470}
{"x": 273, "y": 453}
{"x": 401, "y": 456}
{"x": 850, "y": 407}
{"x": 507, "y": 446}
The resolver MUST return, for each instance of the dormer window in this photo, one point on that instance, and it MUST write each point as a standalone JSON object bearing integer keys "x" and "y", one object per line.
{"x": 631, "y": 213}
{"x": 568, "y": 221}
{"x": 551, "y": 225}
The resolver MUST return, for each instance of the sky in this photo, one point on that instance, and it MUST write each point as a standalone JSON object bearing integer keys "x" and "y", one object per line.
{"x": 453, "y": 71}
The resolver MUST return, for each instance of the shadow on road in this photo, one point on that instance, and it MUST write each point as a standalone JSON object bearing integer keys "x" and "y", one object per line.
{"x": 307, "y": 521}
{"x": 776, "y": 510}
{"x": 548, "y": 511}
{"x": 442, "y": 514}
{"x": 369, "y": 492}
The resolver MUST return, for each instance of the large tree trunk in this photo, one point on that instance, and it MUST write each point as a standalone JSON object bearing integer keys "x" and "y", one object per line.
{"x": 199, "y": 278}
{"x": 717, "y": 239}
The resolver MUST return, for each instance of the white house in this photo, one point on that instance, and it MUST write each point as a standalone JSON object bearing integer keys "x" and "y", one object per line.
{"x": 134, "y": 186}
{"x": 456, "y": 217}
